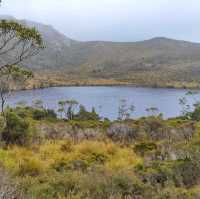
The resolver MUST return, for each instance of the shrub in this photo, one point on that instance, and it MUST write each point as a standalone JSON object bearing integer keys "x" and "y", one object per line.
{"x": 39, "y": 114}
{"x": 122, "y": 132}
{"x": 174, "y": 193}
{"x": 8, "y": 188}
{"x": 187, "y": 172}
{"x": 16, "y": 130}
{"x": 153, "y": 124}
{"x": 85, "y": 115}
{"x": 22, "y": 112}
{"x": 144, "y": 147}
{"x": 30, "y": 166}
{"x": 98, "y": 185}
{"x": 51, "y": 186}
{"x": 127, "y": 185}
{"x": 195, "y": 115}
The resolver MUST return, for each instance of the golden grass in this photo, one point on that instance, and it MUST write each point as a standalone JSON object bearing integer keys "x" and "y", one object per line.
{"x": 43, "y": 158}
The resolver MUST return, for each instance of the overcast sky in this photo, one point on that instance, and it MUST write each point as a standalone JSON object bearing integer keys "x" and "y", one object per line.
{"x": 115, "y": 20}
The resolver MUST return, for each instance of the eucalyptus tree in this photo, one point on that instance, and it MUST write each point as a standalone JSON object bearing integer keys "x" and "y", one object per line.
{"x": 153, "y": 111}
{"x": 68, "y": 107}
{"x": 13, "y": 75}
{"x": 124, "y": 110}
{"x": 17, "y": 43}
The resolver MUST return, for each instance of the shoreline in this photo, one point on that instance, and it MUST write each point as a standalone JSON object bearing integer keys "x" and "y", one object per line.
{"x": 118, "y": 84}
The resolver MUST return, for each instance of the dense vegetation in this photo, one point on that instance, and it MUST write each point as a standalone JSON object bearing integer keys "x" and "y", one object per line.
{"x": 43, "y": 156}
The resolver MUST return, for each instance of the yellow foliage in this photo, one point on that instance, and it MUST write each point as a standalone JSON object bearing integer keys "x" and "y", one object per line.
{"x": 124, "y": 159}
{"x": 31, "y": 166}
{"x": 24, "y": 161}
{"x": 7, "y": 160}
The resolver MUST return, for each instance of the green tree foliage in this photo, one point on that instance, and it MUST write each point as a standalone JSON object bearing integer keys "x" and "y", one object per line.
{"x": 39, "y": 114}
{"x": 14, "y": 74}
{"x": 68, "y": 108}
{"x": 16, "y": 129}
{"x": 125, "y": 111}
{"x": 17, "y": 43}
{"x": 152, "y": 111}
{"x": 190, "y": 111}
{"x": 85, "y": 115}
{"x": 38, "y": 104}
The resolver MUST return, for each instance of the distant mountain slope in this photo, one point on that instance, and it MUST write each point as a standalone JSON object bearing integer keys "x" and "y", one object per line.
{"x": 148, "y": 62}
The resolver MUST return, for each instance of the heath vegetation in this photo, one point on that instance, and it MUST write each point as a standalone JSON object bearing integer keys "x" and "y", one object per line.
{"x": 82, "y": 155}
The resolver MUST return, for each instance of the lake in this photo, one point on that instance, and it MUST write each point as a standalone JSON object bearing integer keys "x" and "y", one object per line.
{"x": 106, "y": 100}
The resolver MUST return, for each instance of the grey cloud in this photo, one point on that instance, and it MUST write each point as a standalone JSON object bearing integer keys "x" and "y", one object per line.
{"x": 116, "y": 20}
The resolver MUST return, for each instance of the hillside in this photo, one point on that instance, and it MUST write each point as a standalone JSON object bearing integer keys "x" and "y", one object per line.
{"x": 154, "y": 62}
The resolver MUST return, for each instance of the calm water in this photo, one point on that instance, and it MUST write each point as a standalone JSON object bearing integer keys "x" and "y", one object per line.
{"x": 106, "y": 99}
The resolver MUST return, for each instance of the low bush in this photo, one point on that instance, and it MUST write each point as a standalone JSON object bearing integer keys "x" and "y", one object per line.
{"x": 144, "y": 147}
{"x": 84, "y": 115}
{"x": 8, "y": 188}
{"x": 39, "y": 114}
{"x": 122, "y": 132}
{"x": 30, "y": 167}
{"x": 16, "y": 129}
{"x": 187, "y": 173}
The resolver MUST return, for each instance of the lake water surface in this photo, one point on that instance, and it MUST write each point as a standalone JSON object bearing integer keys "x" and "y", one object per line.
{"x": 106, "y": 100}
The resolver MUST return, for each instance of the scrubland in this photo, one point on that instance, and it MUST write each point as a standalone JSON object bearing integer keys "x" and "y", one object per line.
{"x": 87, "y": 157}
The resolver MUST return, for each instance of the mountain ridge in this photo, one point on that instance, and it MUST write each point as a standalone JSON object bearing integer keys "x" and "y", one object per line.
{"x": 35, "y": 24}
{"x": 159, "y": 61}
